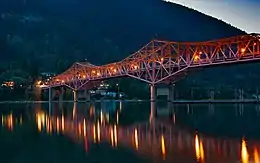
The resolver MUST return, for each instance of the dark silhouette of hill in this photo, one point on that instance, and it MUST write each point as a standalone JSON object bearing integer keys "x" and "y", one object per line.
{"x": 110, "y": 30}
{"x": 49, "y": 35}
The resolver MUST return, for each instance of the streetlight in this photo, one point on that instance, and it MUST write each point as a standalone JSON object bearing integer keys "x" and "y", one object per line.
{"x": 117, "y": 89}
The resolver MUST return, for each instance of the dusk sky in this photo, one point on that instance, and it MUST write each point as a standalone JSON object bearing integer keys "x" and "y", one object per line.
{"x": 244, "y": 14}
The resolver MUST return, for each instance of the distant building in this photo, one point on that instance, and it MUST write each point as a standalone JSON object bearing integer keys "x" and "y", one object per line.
{"x": 47, "y": 74}
{"x": 8, "y": 84}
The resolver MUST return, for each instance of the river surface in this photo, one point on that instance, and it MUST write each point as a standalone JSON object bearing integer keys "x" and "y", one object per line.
{"x": 118, "y": 132}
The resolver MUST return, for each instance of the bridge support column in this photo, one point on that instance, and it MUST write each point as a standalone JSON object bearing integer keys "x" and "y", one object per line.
{"x": 75, "y": 98}
{"x": 170, "y": 97}
{"x": 61, "y": 93}
{"x": 152, "y": 93}
{"x": 87, "y": 95}
{"x": 153, "y": 111}
{"x": 50, "y": 94}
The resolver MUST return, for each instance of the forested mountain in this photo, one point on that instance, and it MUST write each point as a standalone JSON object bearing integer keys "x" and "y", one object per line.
{"x": 49, "y": 35}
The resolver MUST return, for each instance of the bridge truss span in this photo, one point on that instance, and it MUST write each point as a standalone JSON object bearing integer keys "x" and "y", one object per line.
{"x": 163, "y": 60}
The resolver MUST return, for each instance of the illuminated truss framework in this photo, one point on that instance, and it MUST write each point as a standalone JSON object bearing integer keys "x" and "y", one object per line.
{"x": 163, "y": 60}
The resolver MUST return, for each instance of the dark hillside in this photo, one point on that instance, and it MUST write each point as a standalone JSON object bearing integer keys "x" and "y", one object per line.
{"x": 49, "y": 35}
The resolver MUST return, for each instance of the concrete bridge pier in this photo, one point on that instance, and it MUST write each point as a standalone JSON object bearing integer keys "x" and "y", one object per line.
{"x": 50, "y": 94}
{"x": 153, "y": 93}
{"x": 50, "y": 100}
{"x": 170, "y": 97}
{"x": 153, "y": 111}
{"x": 75, "y": 97}
{"x": 87, "y": 95}
{"x": 61, "y": 94}
{"x": 167, "y": 91}
{"x": 74, "y": 110}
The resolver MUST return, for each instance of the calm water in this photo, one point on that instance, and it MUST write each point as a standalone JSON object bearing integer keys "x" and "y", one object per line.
{"x": 129, "y": 132}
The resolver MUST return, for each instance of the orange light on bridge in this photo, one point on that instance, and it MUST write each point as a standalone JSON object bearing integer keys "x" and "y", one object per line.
{"x": 98, "y": 74}
{"x": 196, "y": 58}
{"x": 134, "y": 66}
{"x": 84, "y": 76}
{"x": 200, "y": 52}
{"x": 162, "y": 59}
{"x": 93, "y": 71}
{"x": 255, "y": 44}
{"x": 62, "y": 81}
{"x": 243, "y": 50}
{"x": 115, "y": 70}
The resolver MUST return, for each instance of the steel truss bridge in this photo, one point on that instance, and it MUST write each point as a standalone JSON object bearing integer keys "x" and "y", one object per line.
{"x": 163, "y": 62}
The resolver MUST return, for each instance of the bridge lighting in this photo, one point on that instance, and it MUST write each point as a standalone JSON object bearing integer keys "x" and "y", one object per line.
{"x": 255, "y": 44}
{"x": 39, "y": 82}
{"x": 62, "y": 81}
{"x": 162, "y": 59}
{"x": 134, "y": 66}
{"x": 200, "y": 52}
{"x": 84, "y": 76}
{"x": 93, "y": 71}
{"x": 243, "y": 50}
{"x": 98, "y": 74}
{"x": 196, "y": 58}
{"x": 57, "y": 80}
{"x": 114, "y": 70}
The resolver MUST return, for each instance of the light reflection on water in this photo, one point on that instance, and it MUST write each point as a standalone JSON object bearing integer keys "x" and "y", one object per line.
{"x": 158, "y": 138}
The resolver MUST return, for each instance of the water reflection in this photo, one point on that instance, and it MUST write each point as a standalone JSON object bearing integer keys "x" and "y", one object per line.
{"x": 157, "y": 138}
{"x": 9, "y": 121}
{"x": 244, "y": 153}
{"x": 199, "y": 149}
{"x": 256, "y": 155}
{"x": 153, "y": 139}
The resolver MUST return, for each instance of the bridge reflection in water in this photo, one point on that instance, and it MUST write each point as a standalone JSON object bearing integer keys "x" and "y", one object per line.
{"x": 157, "y": 139}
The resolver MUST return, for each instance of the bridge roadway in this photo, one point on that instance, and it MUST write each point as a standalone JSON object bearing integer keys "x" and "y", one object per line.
{"x": 157, "y": 139}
